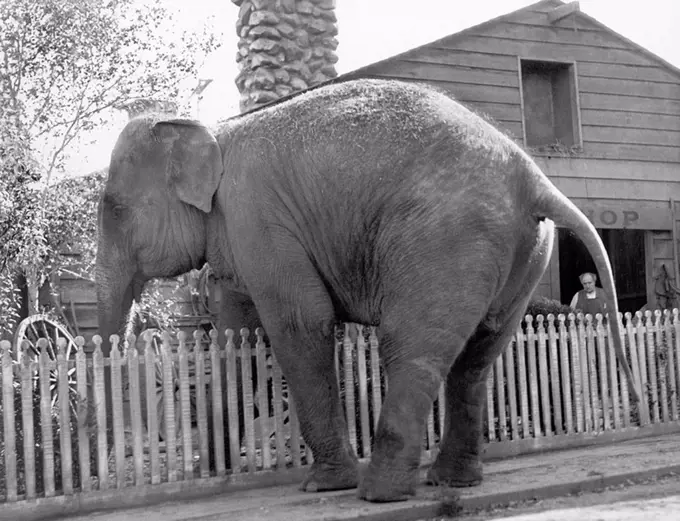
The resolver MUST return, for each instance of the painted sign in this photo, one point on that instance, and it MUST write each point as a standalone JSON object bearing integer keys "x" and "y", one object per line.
{"x": 612, "y": 218}
{"x": 636, "y": 216}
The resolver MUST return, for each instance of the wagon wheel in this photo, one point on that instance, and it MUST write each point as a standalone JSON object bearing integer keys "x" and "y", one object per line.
{"x": 26, "y": 338}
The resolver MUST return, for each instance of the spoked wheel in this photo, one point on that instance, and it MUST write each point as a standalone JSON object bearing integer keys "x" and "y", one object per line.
{"x": 32, "y": 329}
{"x": 35, "y": 327}
{"x": 156, "y": 342}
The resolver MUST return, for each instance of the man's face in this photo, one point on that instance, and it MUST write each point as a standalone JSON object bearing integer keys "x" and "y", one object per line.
{"x": 588, "y": 283}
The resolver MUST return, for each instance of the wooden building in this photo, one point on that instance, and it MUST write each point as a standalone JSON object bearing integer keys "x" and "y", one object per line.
{"x": 600, "y": 115}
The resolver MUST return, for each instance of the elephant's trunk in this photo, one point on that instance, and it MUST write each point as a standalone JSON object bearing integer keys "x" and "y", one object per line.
{"x": 114, "y": 297}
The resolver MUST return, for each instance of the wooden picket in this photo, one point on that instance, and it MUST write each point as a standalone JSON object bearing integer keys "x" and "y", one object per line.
{"x": 135, "y": 397}
{"x": 182, "y": 409}
{"x": 8, "y": 422}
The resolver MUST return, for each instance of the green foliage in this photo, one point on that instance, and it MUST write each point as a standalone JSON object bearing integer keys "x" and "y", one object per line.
{"x": 544, "y": 306}
{"x": 64, "y": 64}
{"x": 20, "y": 240}
{"x": 67, "y": 62}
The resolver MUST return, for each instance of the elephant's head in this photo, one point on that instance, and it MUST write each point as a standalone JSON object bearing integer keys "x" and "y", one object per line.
{"x": 152, "y": 213}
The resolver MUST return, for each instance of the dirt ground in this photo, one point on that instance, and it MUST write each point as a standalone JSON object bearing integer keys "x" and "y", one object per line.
{"x": 650, "y": 489}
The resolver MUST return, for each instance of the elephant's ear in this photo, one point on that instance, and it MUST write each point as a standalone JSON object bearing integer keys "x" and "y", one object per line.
{"x": 194, "y": 166}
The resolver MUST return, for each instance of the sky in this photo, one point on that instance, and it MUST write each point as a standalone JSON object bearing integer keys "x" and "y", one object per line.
{"x": 371, "y": 30}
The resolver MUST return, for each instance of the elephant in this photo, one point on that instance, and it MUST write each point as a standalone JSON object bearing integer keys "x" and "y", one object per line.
{"x": 380, "y": 202}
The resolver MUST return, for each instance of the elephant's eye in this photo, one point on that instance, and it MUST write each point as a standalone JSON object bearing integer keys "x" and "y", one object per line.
{"x": 117, "y": 212}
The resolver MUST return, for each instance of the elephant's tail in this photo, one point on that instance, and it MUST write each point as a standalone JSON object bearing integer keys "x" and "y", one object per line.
{"x": 552, "y": 204}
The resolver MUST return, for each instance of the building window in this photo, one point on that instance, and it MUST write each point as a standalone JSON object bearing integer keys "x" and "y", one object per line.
{"x": 550, "y": 105}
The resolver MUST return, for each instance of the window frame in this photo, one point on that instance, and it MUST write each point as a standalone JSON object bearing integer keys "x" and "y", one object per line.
{"x": 550, "y": 150}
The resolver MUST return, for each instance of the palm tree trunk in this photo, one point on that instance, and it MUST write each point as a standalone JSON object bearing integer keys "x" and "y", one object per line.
{"x": 285, "y": 46}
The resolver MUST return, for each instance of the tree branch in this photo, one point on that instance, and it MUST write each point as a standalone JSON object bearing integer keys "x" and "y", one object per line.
{"x": 48, "y": 99}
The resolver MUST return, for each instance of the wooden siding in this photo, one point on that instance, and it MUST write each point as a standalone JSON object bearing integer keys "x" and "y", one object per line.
{"x": 78, "y": 298}
{"x": 629, "y": 102}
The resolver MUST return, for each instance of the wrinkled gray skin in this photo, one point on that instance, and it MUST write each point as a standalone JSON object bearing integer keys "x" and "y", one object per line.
{"x": 375, "y": 202}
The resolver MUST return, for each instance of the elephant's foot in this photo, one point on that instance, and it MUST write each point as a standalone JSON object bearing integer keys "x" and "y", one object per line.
{"x": 326, "y": 476}
{"x": 383, "y": 485}
{"x": 460, "y": 472}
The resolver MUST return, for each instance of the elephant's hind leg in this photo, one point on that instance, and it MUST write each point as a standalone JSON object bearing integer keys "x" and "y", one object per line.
{"x": 459, "y": 463}
{"x": 418, "y": 346}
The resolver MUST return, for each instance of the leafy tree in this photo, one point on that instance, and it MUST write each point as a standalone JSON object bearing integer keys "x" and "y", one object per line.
{"x": 64, "y": 64}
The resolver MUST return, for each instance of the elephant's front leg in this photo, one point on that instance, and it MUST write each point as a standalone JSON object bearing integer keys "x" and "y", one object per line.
{"x": 299, "y": 318}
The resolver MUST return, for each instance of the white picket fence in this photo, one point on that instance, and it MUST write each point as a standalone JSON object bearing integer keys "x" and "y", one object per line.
{"x": 557, "y": 381}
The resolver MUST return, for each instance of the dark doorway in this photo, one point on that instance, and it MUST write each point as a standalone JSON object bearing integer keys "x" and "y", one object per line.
{"x": 626, "y": 250}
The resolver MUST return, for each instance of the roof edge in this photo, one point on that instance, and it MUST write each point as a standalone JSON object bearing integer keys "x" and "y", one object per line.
{"x": 484, "y": 25}
{"x": 457, "y": 34}
{"x": 637, "y": 47}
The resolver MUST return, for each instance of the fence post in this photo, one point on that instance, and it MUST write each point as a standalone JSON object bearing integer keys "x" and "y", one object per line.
{"x": 117, "y": 417}
{"x": 232, "y": 405}
{"x": 201, "y": 406}
{"x": 621, "y": 377}
{"x": 613, "y": 375}
{"x": 294, "y": 432}
{"x": 363, "y": 393}
{"x": 668, "y": 336}
{"x": 185, "y": 406}
{"x": 247, "y": 387}
{"x": 151, "y": 379}
{"x": 277, "y": 396}
{"x": 376, "y": 380}
{"x": 510, "y": 368}
{"x": 46, "y": 418}
{"x": 544, "y": 378}
{"x": 555, "y": 376}
{"x": 676, "y": 336}
{"x": 135, "y": 409}
{"x": 576, "y": 373}
{"x": 9, "y": 421}
{"x": 567, "y": 405}
{"x": 27, "y": 371}
{"x": 348, "y": 373}
{"x": 100, "y": 413}
{"x": 651, "y": 366}
{"x": 64, "y": 400}
{"x": 217, "y": 406}
{"x": 642, "y": 360}
{"x": 592, "y": 372}
{"x": 169, "y": 407}
{"x": 523, "y": 382}
{"x": 662, "y": 364}
{"x": 585, "y": 378}
{"x": 602, "y": 365}
{"x": 83, "y": 415}
{"x": 490, "y": 412}
{"x": 262, "y": 393}
{"x": 500, "y": 399}
{"x": 533, "y": 376}
{"x": 637, "y": 358}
